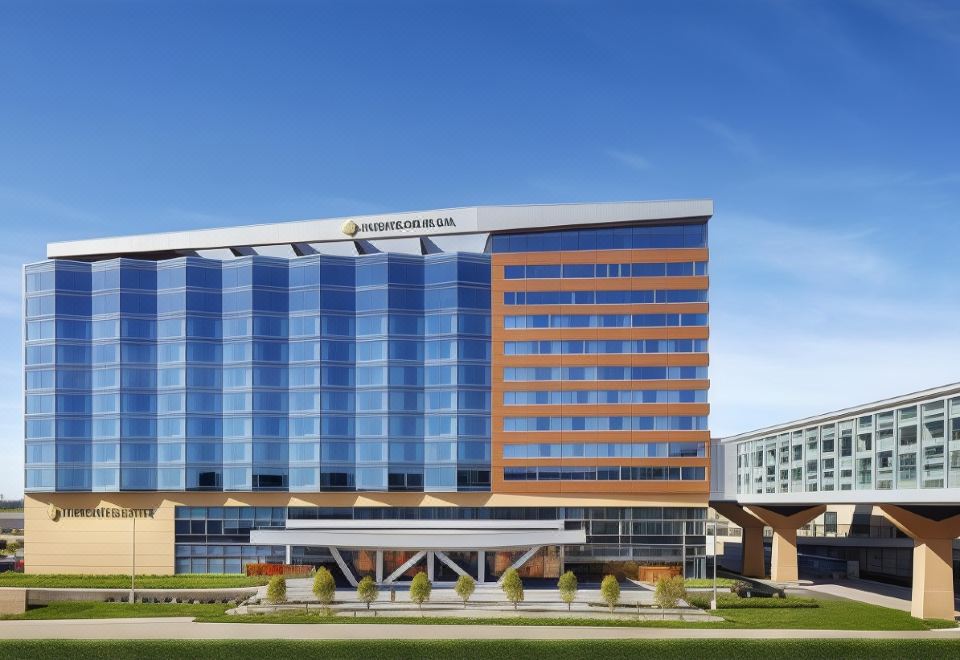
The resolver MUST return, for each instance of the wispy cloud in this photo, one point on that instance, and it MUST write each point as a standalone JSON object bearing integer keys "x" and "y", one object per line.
{"x": 805, "y": 253}
{"x": 760, "y": 379}
{"x": 940, "y": 20}
{"x": 738, "y": 142}
{"x": 808, "y": 319}
{"x": 632, "y": 160}
{"x": 948, "y": 179}
{"x": 858, "y": 178}
{"x": 23, "y": 201}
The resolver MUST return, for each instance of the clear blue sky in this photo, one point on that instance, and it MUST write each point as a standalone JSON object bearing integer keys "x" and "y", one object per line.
{"x": 827, "y": 132}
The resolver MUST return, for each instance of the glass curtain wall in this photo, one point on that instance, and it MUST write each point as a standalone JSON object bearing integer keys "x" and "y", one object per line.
{"x": 259, "y": 374}
{"x": 915, "y": 446}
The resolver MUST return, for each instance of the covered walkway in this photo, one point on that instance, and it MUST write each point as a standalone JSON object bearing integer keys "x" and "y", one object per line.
{"x": 933, "y": 528}
{"x": 394, "y": 549}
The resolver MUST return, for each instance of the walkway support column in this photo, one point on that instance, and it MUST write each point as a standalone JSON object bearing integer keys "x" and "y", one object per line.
{"x": 933, "y": 529}
{"x": 785, "y": 521}
{"x": 751, "y": 541}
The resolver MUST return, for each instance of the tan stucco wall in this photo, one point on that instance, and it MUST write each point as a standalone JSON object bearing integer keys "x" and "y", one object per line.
{"x": 97, "y": 545}
{"x": 104, "y": 545}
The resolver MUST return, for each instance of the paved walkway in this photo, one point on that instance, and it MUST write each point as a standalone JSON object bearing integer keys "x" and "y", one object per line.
{"x": 185, "y": 628}
{"x": 300, "y": 590}
{"x": 864, "y": 591}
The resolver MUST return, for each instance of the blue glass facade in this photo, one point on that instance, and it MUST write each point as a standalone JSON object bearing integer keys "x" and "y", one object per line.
{"x": 319, "y": 373}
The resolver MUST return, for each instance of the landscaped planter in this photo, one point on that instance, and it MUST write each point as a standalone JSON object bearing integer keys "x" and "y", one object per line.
{"x": 652, "y": 574}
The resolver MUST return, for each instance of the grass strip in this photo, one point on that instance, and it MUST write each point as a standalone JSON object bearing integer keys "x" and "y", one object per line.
{"x": 191, "y": 581}
{"x": 704, "y": 583}
{"x": 828, "y": 615}
{"x": 98, "y": 610}
{"x": 813, "y": 649}
{"x": 735, "y": 602}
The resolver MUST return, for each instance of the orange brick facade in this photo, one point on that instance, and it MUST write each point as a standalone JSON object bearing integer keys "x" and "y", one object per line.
{"x": 499, "y": 361}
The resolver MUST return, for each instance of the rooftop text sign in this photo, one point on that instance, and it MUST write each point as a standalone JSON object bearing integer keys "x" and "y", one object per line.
{"x": 410, "y": 225}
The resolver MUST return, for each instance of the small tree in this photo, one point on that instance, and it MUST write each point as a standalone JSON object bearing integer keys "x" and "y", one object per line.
{"x": 324, "y": 588}
{"x": 568, "y": 588}
{"x": 367, "y": 590}
{"x": 464, "y": 587}
{"x": 670, "y": 591}
{"x": 420, "y": 589}
{"x": 277, "y": 589}
{"x": 610, "y": 591}
{"x": 512, "y": 586}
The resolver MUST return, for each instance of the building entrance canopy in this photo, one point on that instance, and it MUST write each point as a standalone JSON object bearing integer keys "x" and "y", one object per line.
{"x": 419, "y": 534}
{"x": 425, "y": 539}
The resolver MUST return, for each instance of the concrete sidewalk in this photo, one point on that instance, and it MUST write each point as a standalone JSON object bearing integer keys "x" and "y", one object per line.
{"x": 864, "y": 591}
{"x": 185, "y": 628}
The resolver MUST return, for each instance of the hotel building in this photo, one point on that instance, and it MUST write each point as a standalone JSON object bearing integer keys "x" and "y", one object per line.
{"x": 369, "y": 394}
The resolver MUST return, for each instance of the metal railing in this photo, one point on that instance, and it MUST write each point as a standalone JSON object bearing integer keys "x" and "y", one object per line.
{"x": 829, "y": 531}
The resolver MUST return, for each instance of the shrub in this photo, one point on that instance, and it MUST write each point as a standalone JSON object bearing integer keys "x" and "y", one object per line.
{"x": 367, "y": 590}
{"x": 324, "y": 588}
{"x": 512, "y": 586}
{"x": 734, "y": 603}
{"x": 13, "y": 546}
{"x": 289, "y": 570}
{"x": 464, "y": 587}
{"x": 670, "y": 591}
{"x": 610, "y": 591}
{"x": 568, "y": 588}
{"x": 277, "y": 589}
{"x": 420, "y": 589}
{"x": 740, "y": 588}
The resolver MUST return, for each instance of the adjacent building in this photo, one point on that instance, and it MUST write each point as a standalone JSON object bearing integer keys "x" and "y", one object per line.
{"x": 908, "y": 445}
{"x": 869, "y": 491}
{"x": 369, "y": 394}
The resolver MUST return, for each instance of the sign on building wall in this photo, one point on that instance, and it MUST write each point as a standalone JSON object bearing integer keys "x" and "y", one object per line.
{"x": 56, "y": 513}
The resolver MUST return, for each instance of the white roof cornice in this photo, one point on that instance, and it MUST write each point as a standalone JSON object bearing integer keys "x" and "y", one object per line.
{"x": 437, "y": 222}
{"x": 855, "y": 411}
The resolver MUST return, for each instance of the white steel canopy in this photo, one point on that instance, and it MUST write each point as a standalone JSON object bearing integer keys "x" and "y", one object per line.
{"x": 419, "y": 535}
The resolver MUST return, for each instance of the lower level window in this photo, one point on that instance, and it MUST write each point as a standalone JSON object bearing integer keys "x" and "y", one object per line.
{"x": 603, "y": 473}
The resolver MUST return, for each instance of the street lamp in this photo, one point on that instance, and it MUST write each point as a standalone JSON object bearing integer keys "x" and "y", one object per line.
{"x": 133, "y": 558}
{"x": 713, "y": 603}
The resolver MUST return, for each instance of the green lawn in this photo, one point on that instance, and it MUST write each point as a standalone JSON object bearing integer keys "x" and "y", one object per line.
{"x": 728, "y": 601}
{"x": 814, "y": 649}
{"x": 763, "y": 613}
{"x": 703, "y": 583}
{"x": 197, "y": 581}
{"x": 777, "y": 613}
{"x": 829, "y": 615}
{"x": 94, "y": 610}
